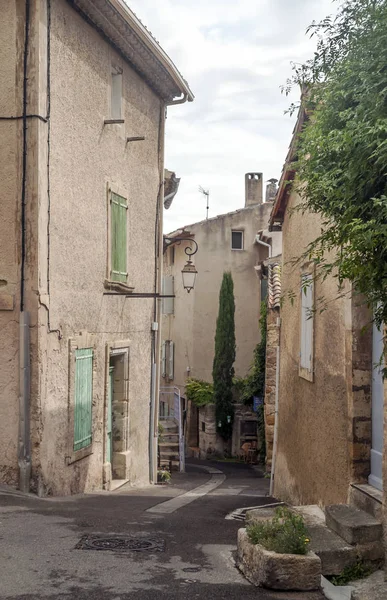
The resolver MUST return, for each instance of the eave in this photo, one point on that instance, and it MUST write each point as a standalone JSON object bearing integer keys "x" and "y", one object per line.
{"x": 114, "y": 20}
{"x": 287, "y": 177}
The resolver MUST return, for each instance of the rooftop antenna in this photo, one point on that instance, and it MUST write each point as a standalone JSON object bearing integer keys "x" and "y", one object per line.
{"x": 205, "y": 193}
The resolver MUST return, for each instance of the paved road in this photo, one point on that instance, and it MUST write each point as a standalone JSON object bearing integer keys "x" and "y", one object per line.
{"x": 38, "y": 539}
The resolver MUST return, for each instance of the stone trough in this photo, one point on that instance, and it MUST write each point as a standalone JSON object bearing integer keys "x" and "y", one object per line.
{"x": 277, "y": 571}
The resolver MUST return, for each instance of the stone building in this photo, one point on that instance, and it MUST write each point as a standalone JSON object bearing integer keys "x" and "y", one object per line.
{"x": 82, "y": 109}
{"x": 330, "y": 398}
{"x": 228, "y": 242}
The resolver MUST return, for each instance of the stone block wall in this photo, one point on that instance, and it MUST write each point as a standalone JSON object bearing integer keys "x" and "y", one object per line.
{"x": 272, "y": 341}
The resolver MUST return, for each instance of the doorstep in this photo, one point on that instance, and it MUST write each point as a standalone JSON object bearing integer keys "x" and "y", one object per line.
{"x": 115, "y": 484}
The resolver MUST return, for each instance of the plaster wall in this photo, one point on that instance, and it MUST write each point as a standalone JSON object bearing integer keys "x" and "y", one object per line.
{"x": 312, "y": 462}
{"x": 10, "y": 175}
{"x": 86, "y": 158}
{"x": 192, "y": 327}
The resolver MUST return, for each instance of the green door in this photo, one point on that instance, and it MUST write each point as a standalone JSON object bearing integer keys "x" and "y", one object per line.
{"x": 109, "y": 416}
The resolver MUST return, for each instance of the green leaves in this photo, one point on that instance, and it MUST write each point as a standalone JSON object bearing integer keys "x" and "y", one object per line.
{"x": 223, "y": 370}
{"x": 342, "y": 150}
{"x": 285, "y": 533}
{"x": 199, "y": 392}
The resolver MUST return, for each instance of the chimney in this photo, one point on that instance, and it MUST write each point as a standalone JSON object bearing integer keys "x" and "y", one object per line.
{"x": 271, "y": 190}
{"x": 253, "y": 189}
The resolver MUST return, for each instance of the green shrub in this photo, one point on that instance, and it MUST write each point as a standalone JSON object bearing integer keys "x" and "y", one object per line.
{"x": 199, "y": 392}
{"x": 351, "y": 573}
{"x": 285, "y": 533}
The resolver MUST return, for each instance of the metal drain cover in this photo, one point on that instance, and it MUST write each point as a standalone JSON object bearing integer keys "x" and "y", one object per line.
{"x": 119, "y": 543}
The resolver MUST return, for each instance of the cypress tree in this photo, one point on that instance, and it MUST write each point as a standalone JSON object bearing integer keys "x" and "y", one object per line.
{"x": 223, "y": 370}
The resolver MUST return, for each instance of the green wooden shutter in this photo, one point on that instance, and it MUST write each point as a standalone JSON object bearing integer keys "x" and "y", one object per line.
{"x": 83, "y": 398}
{"x": 119, "y": 207}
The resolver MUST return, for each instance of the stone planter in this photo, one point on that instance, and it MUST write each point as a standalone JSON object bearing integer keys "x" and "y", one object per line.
{"x": 277, "y": 571}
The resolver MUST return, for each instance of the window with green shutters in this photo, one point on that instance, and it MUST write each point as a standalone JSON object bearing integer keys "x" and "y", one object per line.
{"x": 119, "y": 208}
{"x": 83, "y": 400}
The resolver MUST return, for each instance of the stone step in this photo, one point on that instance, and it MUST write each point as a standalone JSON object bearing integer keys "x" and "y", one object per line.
{"x": 166, "y": 455}
{"x": 335, "y": 554}
{"x": 174, "y": 445}
{"x": 352, "y": 524}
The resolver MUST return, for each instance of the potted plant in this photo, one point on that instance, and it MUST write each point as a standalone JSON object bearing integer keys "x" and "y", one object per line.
{"x": 275, "y": 554}
{"x": 163, "y": 476}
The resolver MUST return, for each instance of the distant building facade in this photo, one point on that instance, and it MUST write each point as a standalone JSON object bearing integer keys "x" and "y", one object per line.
{"x": 228, "y": 242}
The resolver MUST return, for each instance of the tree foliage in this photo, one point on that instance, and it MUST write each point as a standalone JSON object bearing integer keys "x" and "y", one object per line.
{"x": 223, "y": 370}
{"x": 199, "y": 392}
{"x": 254, "y": 384}
{"x": 342, "y": 151}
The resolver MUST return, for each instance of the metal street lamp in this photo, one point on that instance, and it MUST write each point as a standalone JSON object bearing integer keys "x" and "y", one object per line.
{"x": 189, "y": 271}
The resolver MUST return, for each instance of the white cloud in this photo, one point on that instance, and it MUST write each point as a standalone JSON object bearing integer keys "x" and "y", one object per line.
{"x": 235, "y": 56}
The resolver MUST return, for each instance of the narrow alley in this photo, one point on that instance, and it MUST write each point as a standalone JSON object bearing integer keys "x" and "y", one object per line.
{"x": 190, "y": 542}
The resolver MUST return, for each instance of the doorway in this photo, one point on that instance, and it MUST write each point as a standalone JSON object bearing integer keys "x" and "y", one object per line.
{"x": 117, "y": 415}
{"x": 377, "y": 416}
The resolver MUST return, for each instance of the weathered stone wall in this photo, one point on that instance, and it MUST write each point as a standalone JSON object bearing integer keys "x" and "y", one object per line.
{"x": 272, "y": 342}
{"x": 323, "y": 424}
{"x": 210, "y": 443}
{"x": 11, "y": 77}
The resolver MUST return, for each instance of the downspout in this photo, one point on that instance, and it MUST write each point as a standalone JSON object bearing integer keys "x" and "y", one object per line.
{"x": 156, "y": 325}
{"x": 261, "y": 243}
{"x": 277, "y": 377}
{"x": 24, "y": 446}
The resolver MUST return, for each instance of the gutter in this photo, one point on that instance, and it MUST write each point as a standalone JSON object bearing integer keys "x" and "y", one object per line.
{"x": 261, "y": 243}
{"x": 156, "y": 49}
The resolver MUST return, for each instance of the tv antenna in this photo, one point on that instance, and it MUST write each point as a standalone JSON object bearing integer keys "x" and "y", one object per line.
{"x": 205, "y": 193}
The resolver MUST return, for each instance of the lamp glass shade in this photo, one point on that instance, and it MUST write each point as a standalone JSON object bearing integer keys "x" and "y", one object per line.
{"x": 189, "y": 273}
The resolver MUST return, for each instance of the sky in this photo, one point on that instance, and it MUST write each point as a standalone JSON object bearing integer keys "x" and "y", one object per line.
{"x": 235, "y": 55}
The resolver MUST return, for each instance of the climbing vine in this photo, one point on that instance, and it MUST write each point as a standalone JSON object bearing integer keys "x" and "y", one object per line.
{"x": 342, "y": 150}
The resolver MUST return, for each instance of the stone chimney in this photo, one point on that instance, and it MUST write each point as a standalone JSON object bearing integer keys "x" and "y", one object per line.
{"x": 253, "y": 189}
{"x": 271, "y": 190}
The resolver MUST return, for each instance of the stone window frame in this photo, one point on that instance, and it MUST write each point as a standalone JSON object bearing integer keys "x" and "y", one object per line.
{"x": 116, "y": 348}
{"x": 242, "y": 231}
{"x": 308, "y": 269}
{"x": 85, "y": 340}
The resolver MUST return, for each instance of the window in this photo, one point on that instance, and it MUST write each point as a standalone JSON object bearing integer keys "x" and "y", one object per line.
{"x": 248, "y": 428}
{"x": 118, "y": 234}
{"x": 83, "y": 400}
{"x": 116, "y": 99}
{"x": 168, "y": 290}
{"x": 168, "y": 359}
{"x": 307, "y": 326}
{"x": 237, "y": 240}
{"x": 203, "y": 427}
{"x": 172, "y": 255}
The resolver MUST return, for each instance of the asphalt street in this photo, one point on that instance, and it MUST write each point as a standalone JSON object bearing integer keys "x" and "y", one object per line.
{"x": 171, "y": 542}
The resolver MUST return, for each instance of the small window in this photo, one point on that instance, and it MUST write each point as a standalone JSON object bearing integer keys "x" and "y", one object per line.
{"x": 118, "y": 232}
{"x": 172, "y": 255}
{"x": 203, "y": 426}
{"x": 307, "y": 326}
{"x": 83, "y": 400}
{"x": 116, "y": 99}
{"x": 248, "y": 428}
{"x": 237, "y": 240}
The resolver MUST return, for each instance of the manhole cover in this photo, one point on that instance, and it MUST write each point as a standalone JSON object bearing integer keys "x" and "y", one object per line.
{"x": 120, "y": 543}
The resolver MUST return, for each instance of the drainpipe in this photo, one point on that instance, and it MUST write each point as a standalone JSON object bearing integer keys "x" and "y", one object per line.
{"x": 24, "y": 442}
{"x": 156, "y": 325}
{"x": 272, "y": 475}
{"x": 261, "y": 243}
{"x": 24, "y": 450}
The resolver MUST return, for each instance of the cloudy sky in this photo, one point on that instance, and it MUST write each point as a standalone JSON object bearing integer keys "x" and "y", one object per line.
{"x": 235, "y": 55}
